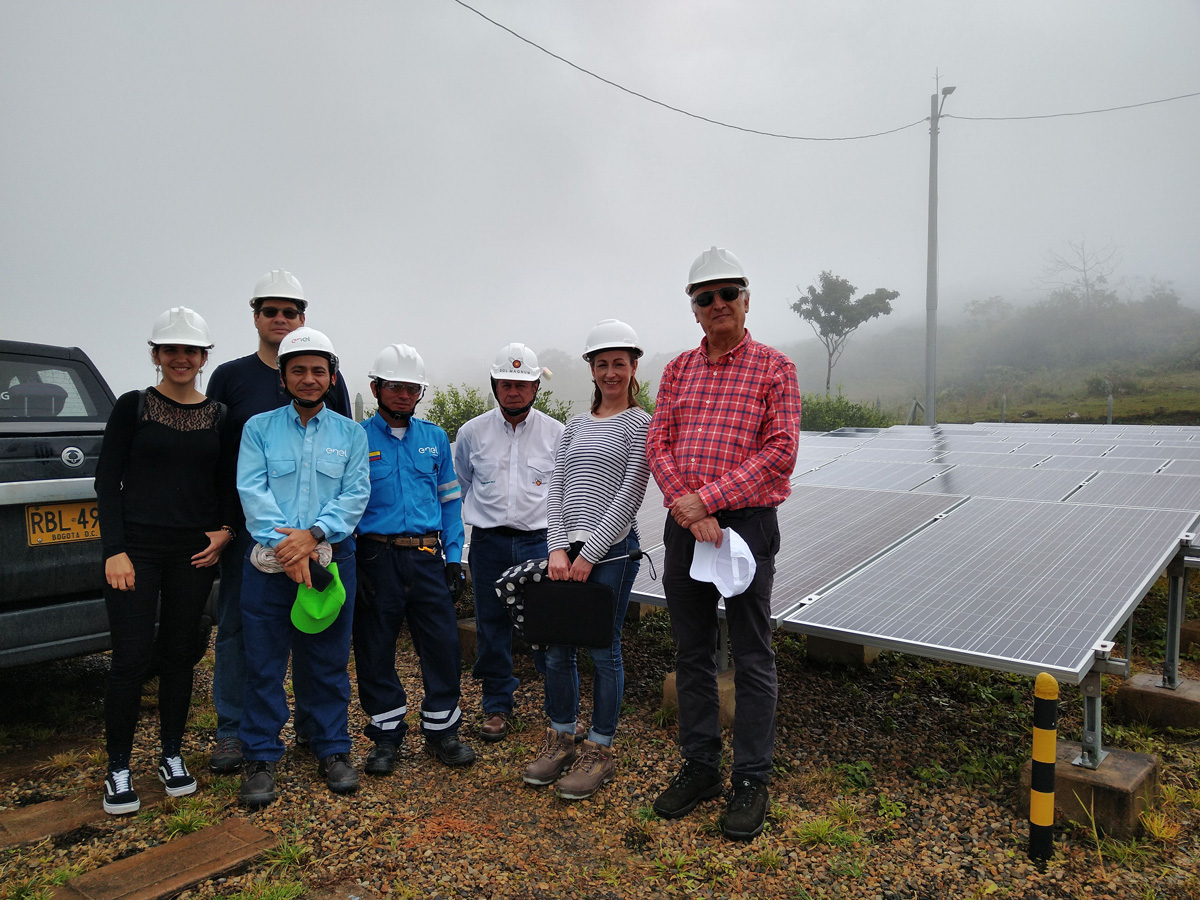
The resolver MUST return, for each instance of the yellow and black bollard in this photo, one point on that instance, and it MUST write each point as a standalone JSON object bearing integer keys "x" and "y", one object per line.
{"x": 1041, "y": 782}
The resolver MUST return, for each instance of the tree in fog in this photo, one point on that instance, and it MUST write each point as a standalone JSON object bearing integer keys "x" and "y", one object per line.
{"x": 834, "y": 315}
{"x": 1079, "y": 275}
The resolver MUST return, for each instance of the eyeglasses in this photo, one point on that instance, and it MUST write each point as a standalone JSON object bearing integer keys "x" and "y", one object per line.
{"x": 403, "y": 387}
{"x": 289, "y": 312}
{"x": 727, "y": 294}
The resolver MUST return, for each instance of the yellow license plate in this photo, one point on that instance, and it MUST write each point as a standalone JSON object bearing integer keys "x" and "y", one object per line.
{"x": 61, "y": 523}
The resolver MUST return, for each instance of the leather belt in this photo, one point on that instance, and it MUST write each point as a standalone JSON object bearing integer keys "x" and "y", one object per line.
{"x": 406, "y": 540}
{"x": 510, "y": 532}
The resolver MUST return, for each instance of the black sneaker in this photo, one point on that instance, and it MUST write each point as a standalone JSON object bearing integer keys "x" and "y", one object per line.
{"x": 382, "y": 759}
{"x": 746, "y": 812}
{"x": 258, "y": 787}
{"x": 341, "y": 777}
{"x": 227, "y": 757}
{"x": 119, "y": 796}
{"x": 693, "y": 783}
{"x": 175, "y": 777}
{"x": 449, "y": 751}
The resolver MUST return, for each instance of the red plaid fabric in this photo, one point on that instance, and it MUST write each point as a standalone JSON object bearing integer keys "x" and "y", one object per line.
{"x": 726, "y": 430}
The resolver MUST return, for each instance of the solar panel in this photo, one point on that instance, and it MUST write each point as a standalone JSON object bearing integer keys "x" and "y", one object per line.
{"x": 1156, "y": 452}
{"x": 1183, "y": 467}
{"x": 1064, "y": 449}
{"x": 1134, "y": 490}
{"x": 1013, "y": 484}
{"x": 1013, "y": 585}
{"x": 1103, "y": 464}
{"x": 825, "y": 533}
{"x": 884, "y": 476}
{"x": 980, "y": 458}
{"x": 888, "y": 454}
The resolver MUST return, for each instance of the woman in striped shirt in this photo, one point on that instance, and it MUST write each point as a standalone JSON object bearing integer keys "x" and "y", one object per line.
{"x": 599, "y": 481}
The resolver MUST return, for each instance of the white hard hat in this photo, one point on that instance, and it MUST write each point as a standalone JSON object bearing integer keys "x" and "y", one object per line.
{"x": 611, "y": 334}
{"x": 182, "y": 326}
{"x": 307, "y": 340}
{"x": 279, "y": 284}
{"x": 717, "y": 264}
{"x": 399, "y": 362}
{"x": 516, "y": 362}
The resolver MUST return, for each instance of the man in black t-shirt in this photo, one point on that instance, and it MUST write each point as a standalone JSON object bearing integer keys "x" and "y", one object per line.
{"x": 249, "y": 386}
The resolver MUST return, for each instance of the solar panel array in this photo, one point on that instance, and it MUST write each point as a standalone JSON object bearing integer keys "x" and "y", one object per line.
{"x": 1047, "y": 538}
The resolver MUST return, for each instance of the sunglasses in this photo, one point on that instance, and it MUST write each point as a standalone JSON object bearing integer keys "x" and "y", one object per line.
{"x": 403, "y": 387}
{"x": 289, "y": 312}
{"x": 706, "y": 298}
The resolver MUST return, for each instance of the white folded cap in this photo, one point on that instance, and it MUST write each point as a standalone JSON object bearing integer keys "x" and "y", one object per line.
{"x": 730, "y": 567}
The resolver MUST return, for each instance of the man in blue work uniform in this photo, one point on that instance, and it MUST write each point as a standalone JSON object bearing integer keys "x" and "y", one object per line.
{"x": 304, "y": 484}
{"x": 248, "y": 386}
{"x": 412, "y": 518}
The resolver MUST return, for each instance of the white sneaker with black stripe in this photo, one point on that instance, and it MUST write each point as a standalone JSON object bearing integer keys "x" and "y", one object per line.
{"x": 119, "y": 796}
{"x": 175, "y": 777}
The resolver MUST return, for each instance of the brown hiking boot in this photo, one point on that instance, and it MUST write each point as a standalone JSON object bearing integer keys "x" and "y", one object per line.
{"x": 593, "y": 768}
{"x": 556, "y": 757}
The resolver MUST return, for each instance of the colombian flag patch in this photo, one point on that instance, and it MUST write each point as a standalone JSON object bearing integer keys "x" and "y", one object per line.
{"x": 374, "y": 456}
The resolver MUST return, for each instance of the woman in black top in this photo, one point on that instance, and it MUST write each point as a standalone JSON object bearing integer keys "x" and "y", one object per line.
{"x": 164, "y": 485}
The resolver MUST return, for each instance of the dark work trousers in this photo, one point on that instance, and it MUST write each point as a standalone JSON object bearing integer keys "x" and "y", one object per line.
{"x": 162, "y": 567}
{"x": 693, "y": 608}
{"x": 399, "y": 584}
{"x": 322, "y": 661}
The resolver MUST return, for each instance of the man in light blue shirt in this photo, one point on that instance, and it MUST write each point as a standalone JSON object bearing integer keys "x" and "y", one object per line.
{"x": 412, "y": 519}
{"x": 303, "y": 482}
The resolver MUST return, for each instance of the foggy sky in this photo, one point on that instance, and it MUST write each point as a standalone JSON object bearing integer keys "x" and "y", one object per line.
{"x": 435, "y": 181}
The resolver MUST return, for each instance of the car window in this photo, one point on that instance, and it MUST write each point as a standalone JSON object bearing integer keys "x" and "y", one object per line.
{"x": 43, "y": 390}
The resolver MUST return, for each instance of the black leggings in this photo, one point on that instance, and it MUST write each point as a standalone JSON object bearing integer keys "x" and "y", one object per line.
{"x": 163, "y": 568}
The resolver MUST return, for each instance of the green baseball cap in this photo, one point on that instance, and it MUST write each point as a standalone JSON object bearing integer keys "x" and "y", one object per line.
{"x": 314, "y": 610}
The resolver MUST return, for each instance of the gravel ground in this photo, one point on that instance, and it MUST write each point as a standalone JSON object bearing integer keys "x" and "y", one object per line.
{"x": 898, "y": 781}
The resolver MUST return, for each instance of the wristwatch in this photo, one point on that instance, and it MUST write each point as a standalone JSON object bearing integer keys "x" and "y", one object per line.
{"x": 317, "y": 532}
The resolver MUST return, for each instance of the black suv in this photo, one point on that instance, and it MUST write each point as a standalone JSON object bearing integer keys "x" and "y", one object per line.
{"x": 53, "y": 408}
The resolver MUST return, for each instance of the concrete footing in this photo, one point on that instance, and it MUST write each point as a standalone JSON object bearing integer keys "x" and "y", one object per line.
{"x": 724, "y": 691}
{"x": 1114, "y": 795}
{"x": 1142, "y": 699}
{"x": 839, "y": 653}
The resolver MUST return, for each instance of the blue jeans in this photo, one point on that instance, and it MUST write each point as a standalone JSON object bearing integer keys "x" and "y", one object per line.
{"x": 490, "y": 554}
{"x": 320, "y": 662}
{"x": 608, "y": 671}
{"x": 229, "y": 651}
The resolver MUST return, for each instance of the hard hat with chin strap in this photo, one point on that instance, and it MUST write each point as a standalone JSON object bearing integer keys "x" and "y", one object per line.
{"x": 304, "y": 341}
{"x": 399, "y": 362}
{"x": 516, "y": 362}
{"x": 715, "y": 264}
{"x": 279, "y": 284}
{"x": 181, "y": 326}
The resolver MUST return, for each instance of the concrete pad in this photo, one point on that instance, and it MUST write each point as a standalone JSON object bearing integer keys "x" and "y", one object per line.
{"x": 725, "y": 690}
{"x": 1142, "y": 699}
{"x": 839, "y": 653}
{"x": 170, "y": 868}
{"x": 54, "y": 817}
{"x": 1116, "y": 794}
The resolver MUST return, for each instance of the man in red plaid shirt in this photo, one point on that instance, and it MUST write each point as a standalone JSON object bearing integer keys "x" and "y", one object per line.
{"x": 722, "y": 447}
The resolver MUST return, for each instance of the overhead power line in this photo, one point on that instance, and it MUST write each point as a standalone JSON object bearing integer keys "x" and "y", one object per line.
{"x": 797, "y": 137}
{"x": 1086, "y": 112}
{"x": 676, "y": 109}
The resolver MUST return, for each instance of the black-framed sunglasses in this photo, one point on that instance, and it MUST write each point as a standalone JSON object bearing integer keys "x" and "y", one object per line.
{"x": 727, "y": 294}
{"x": 289, "y": 312}
{"x": 405, "y": 387}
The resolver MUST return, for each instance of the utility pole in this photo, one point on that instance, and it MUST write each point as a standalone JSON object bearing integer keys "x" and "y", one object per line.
{"x": 931, "y": 269}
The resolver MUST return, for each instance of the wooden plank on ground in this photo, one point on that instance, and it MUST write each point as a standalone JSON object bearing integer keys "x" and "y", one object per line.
{"x": 54, "y": 817}
{"x": 170, "y": 868}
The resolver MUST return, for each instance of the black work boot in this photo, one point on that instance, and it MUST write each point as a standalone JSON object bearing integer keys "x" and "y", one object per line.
{"x": 693, "y": 783}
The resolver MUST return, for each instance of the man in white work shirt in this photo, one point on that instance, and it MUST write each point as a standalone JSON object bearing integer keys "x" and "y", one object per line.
{"x": 504, "y": 459}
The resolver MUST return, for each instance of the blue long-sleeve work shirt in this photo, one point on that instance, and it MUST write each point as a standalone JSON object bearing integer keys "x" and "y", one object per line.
{"x": 414, "y": 489}
{"x": 293, "y": 476}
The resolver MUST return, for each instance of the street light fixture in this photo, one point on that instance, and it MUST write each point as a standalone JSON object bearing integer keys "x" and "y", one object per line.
{"x": 931, "y": 271}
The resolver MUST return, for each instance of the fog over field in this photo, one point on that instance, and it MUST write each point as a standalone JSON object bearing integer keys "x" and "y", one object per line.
{"x": 434, "y": 179}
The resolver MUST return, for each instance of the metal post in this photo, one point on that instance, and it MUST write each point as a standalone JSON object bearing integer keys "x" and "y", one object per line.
{"x": 1176, "y": 608}
{"x": 1041, "y": 776}
{"x": 722, "y": 645}
{"x": 1093, "y": 750}
{"x": 931, "y": 273}
{"x": 1110, "y": 409}
{"x": 1003, "y": 407}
